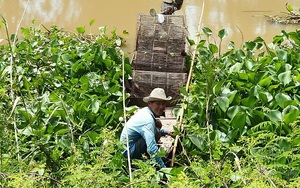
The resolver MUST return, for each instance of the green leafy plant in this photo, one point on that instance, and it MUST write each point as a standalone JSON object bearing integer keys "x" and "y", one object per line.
{"x": 245, "y": 102}
{"x": 67, "y": 91}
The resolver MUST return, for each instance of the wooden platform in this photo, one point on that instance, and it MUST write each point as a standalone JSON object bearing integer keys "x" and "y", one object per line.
{"x": 167, "y": 141}
{"x": 168, "y": 123}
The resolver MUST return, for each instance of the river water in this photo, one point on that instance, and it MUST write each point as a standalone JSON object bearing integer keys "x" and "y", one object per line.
{"x": 243, "y": 19}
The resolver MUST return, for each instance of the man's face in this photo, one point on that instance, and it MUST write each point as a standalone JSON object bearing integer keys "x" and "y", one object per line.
{"x": 157, "y": 107}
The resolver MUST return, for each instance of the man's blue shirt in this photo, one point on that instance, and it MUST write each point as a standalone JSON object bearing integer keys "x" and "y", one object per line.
{"x": 142, "y": 124}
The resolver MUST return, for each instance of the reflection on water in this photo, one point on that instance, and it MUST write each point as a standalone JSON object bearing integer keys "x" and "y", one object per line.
{"x": 243, "y": 19}
{"x": 50, "y": 11}
{"x": 193, "y": 13}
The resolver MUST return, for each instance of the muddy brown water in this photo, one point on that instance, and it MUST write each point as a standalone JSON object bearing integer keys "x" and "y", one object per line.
{"x": 243, "y": 19}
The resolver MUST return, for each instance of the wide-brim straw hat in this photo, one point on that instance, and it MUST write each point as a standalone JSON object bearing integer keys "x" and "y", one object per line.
{"x": 157, "y": 94}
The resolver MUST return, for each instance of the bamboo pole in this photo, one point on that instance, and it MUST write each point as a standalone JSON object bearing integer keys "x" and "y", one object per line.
{"x": 124, "y": 117}
{"x": 187, "y": 88}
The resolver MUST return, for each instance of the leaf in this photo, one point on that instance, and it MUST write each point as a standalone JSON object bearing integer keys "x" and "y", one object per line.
{"x": 159, "y": 176}
{"x": 222, "y": 33}
{"x": 92, "y": 22}
{"x": 65, "y": 142}
{"x": 14, "y": 37}
{"x": 25, "y": 31}
{"x": 223, "y": 102}
{"x": 250, "y": 45}
{"x": 217, "y": 135}
{"x": 284, "y": 144}
{"x": 132, "y": 109}
{"x": 249, "y": 101}
{"x": 254, "y": 91}
{"x": 118, "y": 42}
{"x": 92, "y": 136}
{"x": 240, "y": 54}
{"x": 54, "y": 97}
{"x": 61, "y": 131}
{"x": 102, "y": 30}
{"x": 258, "y": 114}
{"x": 165, "y": 170}
{"x": 230, "y": 45}
{"x": 243, "y": 76}
{"x": 217, "y": 87}
{"x": 80, "y": 30}
{"x": 233, "y": 110}
{"x": 233, "y": 134}
{"x": 281, "y": 160}
{"x": 207, "y": 31}
{"x": 289, "y": 8}
{"x": 265, "y": 82}
{"x": 281, "y": 98}
{"x": 231, "y": 95}
{"x": 128, "y": 69}
{"x": 213, "y": 48}
{"x": 259, "y": 39}
{"x": 95, "y": 105}
{"x": 28, "y": 131}
{"x": 290, "y": 114}
{"x": 285, "y": 77}
{"x": 239, "y": 121}
{"x": 235, "y": 177}
{"x": 161, "y": 152}
{"x": 191, "y": 42}
{"x": 282, "y": 55}
{"x": 294, "y": 35}
{"x": 274, "y": 115}
{"x": 104, "y": 98}
{"x": 198, "y": 140}
{"x": 236, "y": 67}
{"x": 265, "y": 96}
{"x": 177, "y": 170}
{"x": 100, "y": 121}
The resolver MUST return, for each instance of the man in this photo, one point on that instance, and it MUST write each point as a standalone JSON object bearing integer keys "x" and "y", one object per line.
{"x": 141, "y": 127}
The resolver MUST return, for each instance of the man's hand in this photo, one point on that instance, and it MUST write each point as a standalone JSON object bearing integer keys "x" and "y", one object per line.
{"x": 171, "y": 133}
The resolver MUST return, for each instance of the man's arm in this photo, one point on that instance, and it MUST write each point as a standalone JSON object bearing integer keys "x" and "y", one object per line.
{"x": 149, "y": 136}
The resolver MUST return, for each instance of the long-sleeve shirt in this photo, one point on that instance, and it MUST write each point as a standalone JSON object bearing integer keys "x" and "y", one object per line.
{"x": 142, "y": 124}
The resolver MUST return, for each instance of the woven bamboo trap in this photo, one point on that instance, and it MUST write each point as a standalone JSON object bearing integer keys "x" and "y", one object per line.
{"x": 160, "y": 38}
{"x": 159, "y": 61}
{"x": 146, "y": 81}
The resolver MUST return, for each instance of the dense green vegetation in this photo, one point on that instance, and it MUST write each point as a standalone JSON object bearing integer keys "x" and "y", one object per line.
{"x": 242, "y": 114}
{"x": 61, "y": 103}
